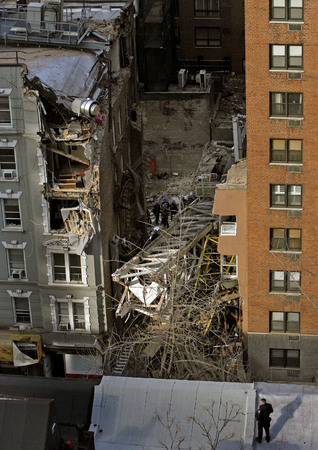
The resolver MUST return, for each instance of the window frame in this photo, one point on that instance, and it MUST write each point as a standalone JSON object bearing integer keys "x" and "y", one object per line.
{"x": 6, "y": 93}
{"x": 14, "y": 305}
{"x": 5, "y": 218}
{"x": 286, "y": 281}
{"x": 208, "y": 38}
{"x": 287, "y": 12}
{"x": 70, "y": 301}
{"x": 286, "y": 105}
{"x": 7, "y": 146}
{"x": 287, "y": 196}
{"x": 12, "y": 269}
{"x": 287, "y": 56}
{"x": 286, "y": 240}
{"x": 207, "y": 10}
{"x": 67, "y": 267}
{"x": 284, "y": 358}
{"x": 284, "y": 324}
{"x": 287, "y": 151}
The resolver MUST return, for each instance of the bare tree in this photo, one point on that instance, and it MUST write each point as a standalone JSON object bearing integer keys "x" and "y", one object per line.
{"x": 173, "y": 429}
{"x": 214, "y": 426}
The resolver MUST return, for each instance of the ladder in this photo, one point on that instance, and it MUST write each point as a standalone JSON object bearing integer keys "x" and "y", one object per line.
{"x": 123, "y": 359}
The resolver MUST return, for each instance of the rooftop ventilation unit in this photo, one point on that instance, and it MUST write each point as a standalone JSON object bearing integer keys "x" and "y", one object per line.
{"x": 203, "y": 79}
{"x": 182, "y": 77}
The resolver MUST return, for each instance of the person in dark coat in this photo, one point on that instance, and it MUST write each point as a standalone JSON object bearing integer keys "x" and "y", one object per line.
{"x": 165, "y": 215}
{"x": 173, "y": 208}
{"x": 156, "y": 211}
{"x": 263, "y": 419}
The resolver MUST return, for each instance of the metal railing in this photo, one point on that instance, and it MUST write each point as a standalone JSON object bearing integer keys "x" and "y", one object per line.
{"x": 49, "y": 32}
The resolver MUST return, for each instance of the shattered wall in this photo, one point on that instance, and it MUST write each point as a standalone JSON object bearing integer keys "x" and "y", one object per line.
{"x": 175, "y": 130}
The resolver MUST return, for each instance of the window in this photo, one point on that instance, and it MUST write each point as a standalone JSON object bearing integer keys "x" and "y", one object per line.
{"x": 282, "y": 281}
{"x": 207, "y": 37}
{"x": 70, "y": 314}
{"x": 286, "y": 150}
{"x": 7, "y": 163}
{"x": 176, "y": 8}
{"x": 5, "y": 110}
{"x": 11, "y": 213}
{"x": 228, "y": 266}
{"x": 286, "y": 56}
{"x": 285, "y": 239}
{"x": 207, "y": 8}
{"x": 287, "y": 10}
{"x": 285, "y": 322}
{"x": 287, "y": 104}
{"x": 16, "y": 263}
{"x": 228, "y": 225}
{"x": 21, "y": 310}
{"x": 286, "y": 196}
{"x": 284, "y": 358}
{"x": 67, "y": 268}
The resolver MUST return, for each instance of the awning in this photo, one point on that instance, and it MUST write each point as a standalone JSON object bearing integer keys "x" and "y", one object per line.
{"x": 20, "y": 349}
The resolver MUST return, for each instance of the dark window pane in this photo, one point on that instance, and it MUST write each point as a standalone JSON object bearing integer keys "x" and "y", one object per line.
{"x": 295, "y": 104}
{"x": 292, "y": 358}
{"x": 276, "y": 357}
{"x": 59, "y": 267}
{"x": 75, "y": 268}
{"x": 277, "y": 280}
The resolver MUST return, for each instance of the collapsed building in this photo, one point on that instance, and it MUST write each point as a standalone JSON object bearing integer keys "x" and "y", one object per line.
{"x": 69, "y": 142}
{"x": 181, "y": 298}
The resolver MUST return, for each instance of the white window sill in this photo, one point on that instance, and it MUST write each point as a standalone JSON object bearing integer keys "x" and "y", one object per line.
{"x": 298, "y": 70}
{"x": 17, "y": 279}
{"x": 287, "y": 252}
{"x": 13, "y": 229}
{"x": 285, "y": 293}
{"x": 286, "y": 118}
{"x": 285, "y": 164}
{"x": 278, "y": 208}
{"x": 286, "y": 21}
{"x": 71, "y": 331}
{"x": 9, "y": 179}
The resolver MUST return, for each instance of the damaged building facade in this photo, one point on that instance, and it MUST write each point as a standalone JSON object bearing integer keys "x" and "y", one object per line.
{"x": 68, "y": 113}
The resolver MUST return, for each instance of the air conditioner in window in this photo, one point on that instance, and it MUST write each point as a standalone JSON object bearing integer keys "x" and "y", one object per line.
{"x": 8, "y": 173}
{"x": 17, "y": 273}
{"x": 64, "y": 326}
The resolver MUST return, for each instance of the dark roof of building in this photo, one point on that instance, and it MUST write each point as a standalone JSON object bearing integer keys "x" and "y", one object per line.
{"x": 73, "y": 398}
{"x": 24, "y": 423}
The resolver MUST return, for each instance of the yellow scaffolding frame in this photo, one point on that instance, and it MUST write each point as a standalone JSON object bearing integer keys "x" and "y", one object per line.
{"x": 208, "y": 270}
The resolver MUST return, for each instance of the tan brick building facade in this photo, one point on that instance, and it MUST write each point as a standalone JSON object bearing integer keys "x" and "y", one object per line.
{"x": 281, "y": 328}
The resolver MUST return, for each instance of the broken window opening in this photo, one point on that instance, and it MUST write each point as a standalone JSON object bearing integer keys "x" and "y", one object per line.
{"x": 228, "y": 225}
{"x": 67, "y": 166}
{"x": 56, "y": 220}
{"x": 229, "y": 266}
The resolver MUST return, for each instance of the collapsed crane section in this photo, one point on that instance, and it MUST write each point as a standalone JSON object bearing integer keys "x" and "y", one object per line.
{"x": 148, "y": 277}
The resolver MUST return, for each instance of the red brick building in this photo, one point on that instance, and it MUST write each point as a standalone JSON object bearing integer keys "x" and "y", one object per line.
{"x": 274, "y": 233}
{"x": 281, "y": 326}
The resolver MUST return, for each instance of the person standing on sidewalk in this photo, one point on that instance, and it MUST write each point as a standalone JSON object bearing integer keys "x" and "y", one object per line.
{"x": 263, "y": 419}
